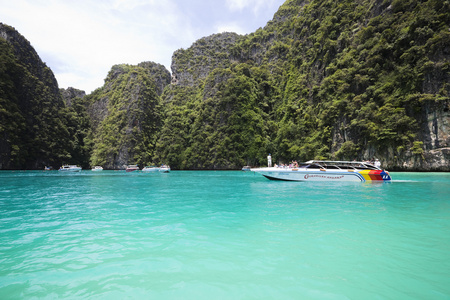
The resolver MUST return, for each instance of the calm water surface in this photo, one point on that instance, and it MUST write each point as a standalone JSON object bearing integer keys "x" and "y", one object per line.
{"x": 222, "y": 235}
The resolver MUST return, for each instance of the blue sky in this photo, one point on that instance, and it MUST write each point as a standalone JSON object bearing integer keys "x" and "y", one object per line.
{"x": 80, "y": 40}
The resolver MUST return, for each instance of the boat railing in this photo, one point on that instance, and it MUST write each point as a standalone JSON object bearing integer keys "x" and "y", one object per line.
{"x": 345, "y": 164}
{"x": 335, "y": 165}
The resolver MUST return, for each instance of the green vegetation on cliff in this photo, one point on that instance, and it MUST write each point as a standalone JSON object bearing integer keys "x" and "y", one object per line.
{"x": 222, "y": 126}
{"x": 33, "y": 128}
{"x": 128, "y": 131}
{"x": 324, "y": 79}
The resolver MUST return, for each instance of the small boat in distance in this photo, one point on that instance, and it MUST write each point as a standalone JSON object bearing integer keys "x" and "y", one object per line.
{"x": 70, "y": 168}
{"x": 97, "y": 168}
{"x": 246, "y": 168}
{"x": 164, "y": 169}
{"x": 46, "y": 168}
{"x": 132, "y": 168}
{"x": 319, "y": 170}
{"x": 150, "y": 169}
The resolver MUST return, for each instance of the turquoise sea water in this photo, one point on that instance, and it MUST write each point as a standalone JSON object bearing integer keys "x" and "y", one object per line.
{"x": 222, "y": 235}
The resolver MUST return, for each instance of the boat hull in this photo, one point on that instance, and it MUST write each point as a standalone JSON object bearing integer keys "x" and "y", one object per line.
{"x": 150, "y": 169}
{"x": 164, "y": 170}
{"x": 132, "y": 168}
{"x": 327, "y": 175}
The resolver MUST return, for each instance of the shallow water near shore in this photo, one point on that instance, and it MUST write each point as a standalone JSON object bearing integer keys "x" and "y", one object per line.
{"x": 222, "y": 235}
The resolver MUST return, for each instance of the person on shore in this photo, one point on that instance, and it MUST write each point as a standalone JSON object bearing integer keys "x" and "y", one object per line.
{"x": 269, "y": 160}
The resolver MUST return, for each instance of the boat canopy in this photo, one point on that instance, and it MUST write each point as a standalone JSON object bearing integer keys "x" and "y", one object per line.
{"x": 333, "y": 164}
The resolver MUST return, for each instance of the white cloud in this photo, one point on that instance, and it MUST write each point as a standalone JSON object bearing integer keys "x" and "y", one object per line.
{"x": 81, "y": 40}
{"x": 231, "y": 27}
{"x": 90, "y": 37}
{"x": 254, "y": 5}
{"x": 130, "y": 4}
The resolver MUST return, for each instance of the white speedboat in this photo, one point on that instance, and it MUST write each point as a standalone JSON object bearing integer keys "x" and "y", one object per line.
{"x": 319, "y": 170}
{"x": 150, "y": 169}
{"x": 164, "y": 169}
{"x": 70, "y": 168}
{"x": 97, "y": 168}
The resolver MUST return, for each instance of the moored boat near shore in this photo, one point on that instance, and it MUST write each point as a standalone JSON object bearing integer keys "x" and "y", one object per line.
{"x": 132, "y": 168}
{"x": 319, "y": 170}
{"x": 97, "y": 168}
{"x": 150, "y": 169}
{"x": 164, "y": 169}
{"x": 70, "y": 168}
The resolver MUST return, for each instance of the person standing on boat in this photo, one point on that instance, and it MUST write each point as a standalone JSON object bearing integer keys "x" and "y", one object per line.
{"x": 377, "y": 163}
{"x": 269, "y": 160}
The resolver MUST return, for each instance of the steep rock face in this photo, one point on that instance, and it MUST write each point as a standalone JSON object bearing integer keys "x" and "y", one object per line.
{"x": 431, "y": 160}
{"x": 71, "y": 93}
{"x": 160, "y": 75}
{"x": 438, "y": 127}
{"x": 33, "y": 132}
{"x": 79, "y": 125}
{"x": 125, "y": 114}
{"x": 436, "y": 140}
{"x": 99, "y": 99}
{"x": 205, "y": 55}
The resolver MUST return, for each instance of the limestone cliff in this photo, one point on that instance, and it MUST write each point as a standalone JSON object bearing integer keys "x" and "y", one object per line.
{"x": 208, "y": 53}
{"x": 346, "y": 80}
{"x": 323, "y": 80}
{"x": 125, "y": 115}
{"x": 71, "y": 93}
{"x": 33, "y": 132}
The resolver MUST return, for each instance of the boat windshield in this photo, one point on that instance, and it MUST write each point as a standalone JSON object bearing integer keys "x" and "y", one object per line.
{"x": 332, "y": 167}
{"x": 313, "y": 166}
